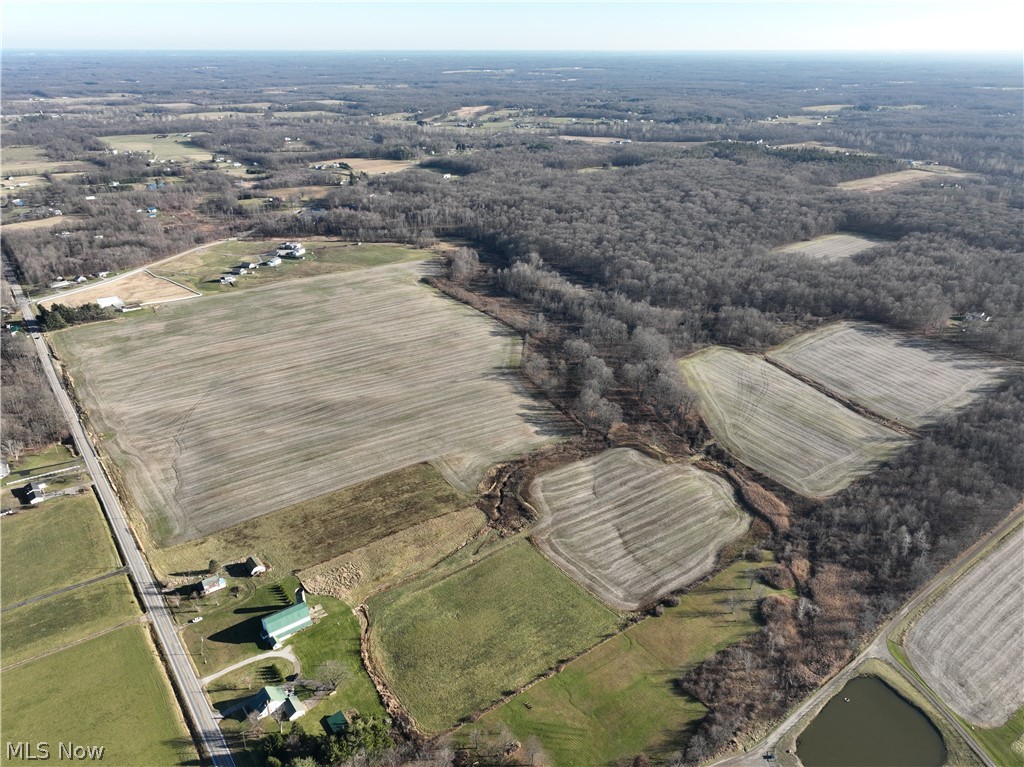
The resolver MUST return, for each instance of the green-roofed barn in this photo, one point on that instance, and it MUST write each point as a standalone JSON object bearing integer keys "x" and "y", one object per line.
{"x": 280, "y": 625}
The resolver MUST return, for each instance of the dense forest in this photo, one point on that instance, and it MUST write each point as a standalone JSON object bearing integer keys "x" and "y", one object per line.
{"x": 613, "y": 259}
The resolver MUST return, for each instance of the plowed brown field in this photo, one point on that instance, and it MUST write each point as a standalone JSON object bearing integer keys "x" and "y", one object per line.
{"x": 631, "y": 528}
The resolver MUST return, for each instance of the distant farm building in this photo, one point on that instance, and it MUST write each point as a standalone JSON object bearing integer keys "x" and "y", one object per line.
{"x": 248, "y": 263}
{"x": 273, "y": 261}
{"x": 115, "y": 301}
{"x": 128, "y": 308}
{"x": 291, "y": 250}
{"x": 228, "y": 279}
{"x": 5, "y": 469}
{"x": 211, "y": 584}
{"x": 254, "y": 567}
{"x": 279, "y": 626}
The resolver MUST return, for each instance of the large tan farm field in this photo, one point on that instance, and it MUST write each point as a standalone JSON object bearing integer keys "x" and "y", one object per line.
{"x": 374, "y": 167}
{"x": 631, "y": 528}
{"x": 832, "y": 247}
{"x": 887, "y": 181}
{"x": 134, "y": 288}
{"x": 967, "y": 646}
{"x": 782, "y": 427}
{"x": 225, "y": 408}
{"x": 910, "y": 380}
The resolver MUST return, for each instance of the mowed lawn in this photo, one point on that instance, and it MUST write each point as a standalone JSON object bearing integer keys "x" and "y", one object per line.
{"x": 618, "y": 700}
{"x": 108, "y": 691}
{"x": 64, "y": 541}
{"x": 450, "y": 648}
{"x": 51, "y": 623}
{"x": 911, "y": 380}
{"x": 631, "y": 528}
{"x": 782, "y": 427}
{"x": 224, "y": 408}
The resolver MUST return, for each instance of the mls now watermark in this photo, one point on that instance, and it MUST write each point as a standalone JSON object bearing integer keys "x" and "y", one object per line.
{"x": 43, "y": 751}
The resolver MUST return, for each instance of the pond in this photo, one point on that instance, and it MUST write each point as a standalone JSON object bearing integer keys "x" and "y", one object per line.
{"x": 869, "y": 725}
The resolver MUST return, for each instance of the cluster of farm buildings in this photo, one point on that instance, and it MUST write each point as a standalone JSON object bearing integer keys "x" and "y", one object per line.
{"x": 292, "y": 250}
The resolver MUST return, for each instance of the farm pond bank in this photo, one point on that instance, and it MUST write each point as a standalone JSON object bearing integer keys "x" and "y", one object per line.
{"x": 869, "y": 725}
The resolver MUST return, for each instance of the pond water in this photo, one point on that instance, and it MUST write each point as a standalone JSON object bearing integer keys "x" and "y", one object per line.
{"x": 869, "y": 725}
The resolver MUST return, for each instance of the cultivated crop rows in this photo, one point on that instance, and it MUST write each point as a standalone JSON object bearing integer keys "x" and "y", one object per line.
{"x": 968, "y": 645}
{"x": 782, "y": 427}
{"x": 910, "y": 380}
{"x": 228, "y": 407}
{"x": 832, "y": 247}
{"x": 630, "y": 528}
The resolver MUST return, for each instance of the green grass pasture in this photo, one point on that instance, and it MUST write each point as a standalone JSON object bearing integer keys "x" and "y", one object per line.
{"x": 82, "y": 695}
{"x": 52, "y": 623}
{"x": 452, "y": 647}
{"x": 64, "y": 541}
{"x": 617, "y": 700}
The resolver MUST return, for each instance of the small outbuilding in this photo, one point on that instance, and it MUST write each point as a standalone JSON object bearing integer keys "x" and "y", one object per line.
{"x": 273, "y": 261}
{"x": 336, "y": 724}
{"x": 292, "y": 709}
{"x": 35, "y": 492}
{"x": 211, "y": 584}
{"x": 254, "y": 567}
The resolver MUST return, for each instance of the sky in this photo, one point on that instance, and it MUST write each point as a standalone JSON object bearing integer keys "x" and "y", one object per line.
{"x": 516, "y": 25}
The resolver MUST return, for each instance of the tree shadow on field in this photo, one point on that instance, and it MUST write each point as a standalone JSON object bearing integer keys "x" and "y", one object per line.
{"x": 245, "y": 632}
{"x": 181, "y": 745}
{"x": 544, "y": 420}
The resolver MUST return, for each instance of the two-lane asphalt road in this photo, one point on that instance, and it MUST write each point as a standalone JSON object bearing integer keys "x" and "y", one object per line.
{"x": 212, "y": 743}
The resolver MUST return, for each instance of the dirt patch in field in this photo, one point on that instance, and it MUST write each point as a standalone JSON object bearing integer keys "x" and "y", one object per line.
{"x": 374, "y": 167}
{"x": 137, "y": 288}
{"x": 355, "y": 576}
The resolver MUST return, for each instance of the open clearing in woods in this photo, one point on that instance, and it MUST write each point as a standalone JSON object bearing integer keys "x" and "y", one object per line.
{"x": 172, "y": 147}
{"x": 373, "y": 167}
{"x": 782, "y": 427}
{"x": 885, "y": 181}
{"x": 832, "y": 247}
{"x": 910, "y": 380}
{"x": 135, "y": 288}
{"x": 967, "y": 646}
{"x": 225, "y": 408}
{"x": 631, "y": 528}
{"x": 451, "y": 647}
